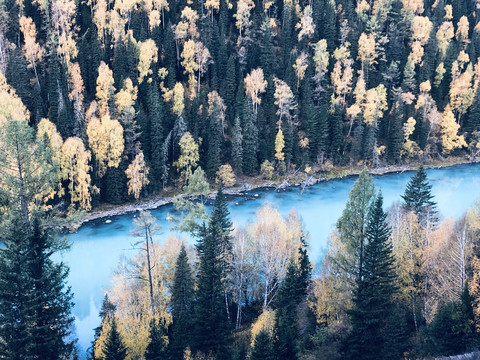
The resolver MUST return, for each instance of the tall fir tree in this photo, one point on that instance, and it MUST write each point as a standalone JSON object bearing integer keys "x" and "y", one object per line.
{"x": 182, "y": 306}
{"x": 114, "y": 347}
{"x": 211, "y": 315}
{"x": 373, "y": 296}
{"x": 418, "y": 197}
{"x": 262, "y": 347}
{"x": 156, "y": 349}
{"x": 35, "y": 304}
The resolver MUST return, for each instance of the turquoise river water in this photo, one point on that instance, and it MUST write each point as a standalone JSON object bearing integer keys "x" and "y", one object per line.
{"x": 98, "y": 246}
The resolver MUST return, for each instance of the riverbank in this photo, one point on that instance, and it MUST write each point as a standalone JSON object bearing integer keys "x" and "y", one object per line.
{"x": 247, "y": 184}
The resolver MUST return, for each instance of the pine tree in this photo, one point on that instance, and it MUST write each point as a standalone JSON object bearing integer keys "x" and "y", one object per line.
{"x": 35, "y": 305}
{"x": 372, "y": 301}
{"x": 418, "y": 197}
{"x": 182, "y": 306}
{"x": 262, "y": 347}
{"x": 114, "y": 346}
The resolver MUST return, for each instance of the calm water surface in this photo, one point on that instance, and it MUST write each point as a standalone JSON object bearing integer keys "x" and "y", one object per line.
{"x": 97, "y": 247}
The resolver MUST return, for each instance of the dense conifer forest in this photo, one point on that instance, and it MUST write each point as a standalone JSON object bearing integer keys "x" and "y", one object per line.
{"x": 131, "y": 96}
{"x": 109, "y": 101}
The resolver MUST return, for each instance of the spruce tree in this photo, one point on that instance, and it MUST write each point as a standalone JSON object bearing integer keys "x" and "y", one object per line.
{"x": 156, "y": 349}
{"x": 372, "y": 301}
{"x": 35, "y": 304}
{"x": 250, "y": 141}
{"x": 418, "y": 197}
{"x": 262, "y": 347}
{"x": 182, "y": 306}
{"x": 114, "y": 347}
{"x": 237, "y": 149}
{"x": 286, "y": 315}
{"x": 352, "y": 224}
{"x": 211, "y": 315}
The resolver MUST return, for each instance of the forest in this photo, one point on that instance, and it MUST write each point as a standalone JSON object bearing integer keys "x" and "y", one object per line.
{"x": 111, "y": 101}
{"x": 123, "y": 99}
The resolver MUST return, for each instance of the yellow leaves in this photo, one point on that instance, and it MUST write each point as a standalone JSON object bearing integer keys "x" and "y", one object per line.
{"x": 462, "y": 30}
{"x": 105, "y": 88}
{"x": 226, "y": 175}
{"x": 375, "y": 104}
{"x": 321, "y": 57}
{"x": 439, "y": 73}
{"x": 125, "y": 98}
{"x": 255, "y": 84}
{"x": 284, "y": 99}
{"x": 153, "y": 9}
{"x": 46, "y": 128}
{"x": 32, "y": 50}
{"x": 366, "y": 49}
{"x": 212, "y": 5}
{"x": 410, "y": 147}
{"x": 425, "y": 86}
{"x": 105, "y": 138}
{"x": 137, "y": 174}
{"x": 449, "y": 132}
{"x": 421, "y": 28}
{"x": 148, "y": 53}
{"x": 462, "y": 91}
{"x": 63, "y": 20}
{"x": 244, "y": 7}
{"x": 415, "y": 6}
{"x": 191, "y": 18}
{"x": 188, "y": 55}
{"x": 279, "y": 145}
{"x": 342, "y": 73}
{"x": 265, "y": 322}
{"x": 300, "y": 66}
{"x": 11, "y": 106}
{"x": 178, "y": 99}
{"x": 445, "y": 33}
{"x": 189, "y": 156}
{"x": 75, "y": 168}
{"x": 448, "y": 12}
{"x": 306, "y": 25}
{"x": 216, "y": 106}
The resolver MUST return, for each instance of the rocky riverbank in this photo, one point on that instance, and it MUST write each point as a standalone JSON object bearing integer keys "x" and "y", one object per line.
{"x": 250, "y": 184}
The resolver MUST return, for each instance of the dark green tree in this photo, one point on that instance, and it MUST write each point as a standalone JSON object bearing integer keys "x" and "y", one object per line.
{"x": 237, "y": 149}
{"x": 372, "y": 301}
{"x": 211, "y": 315}
{"x": 114, "y": 347}
{"x": 156, "y": 349}
{"x": 182, "y": 306}
{"x": 35, "y": 304}
{"x": 250, "y": 141}
{"x": 262, "y": 347}
{"x": 418, "y": 197}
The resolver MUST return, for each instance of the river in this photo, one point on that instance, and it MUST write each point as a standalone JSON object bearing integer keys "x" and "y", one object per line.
{"x": 98, "y": 246}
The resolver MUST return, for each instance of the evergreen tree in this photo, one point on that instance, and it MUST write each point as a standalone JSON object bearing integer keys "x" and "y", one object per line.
{"x": 250, "y": 141}
{"x": 352, "y": 224}
{"x": 286, "y": 315}
{"x": 114, "y": 346}
{"x": 237, "y": 149}
{"x": 211, "y": 316}
{"x": 372, "y": 301}
{"x": 182, "y": 306}
{"x": 262, "y": 347}
{"x": 418, "y": 197}
{"x": 107, "y": 312}
{"x": 156, "y": 349}
{"x": 35, "y": 305}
